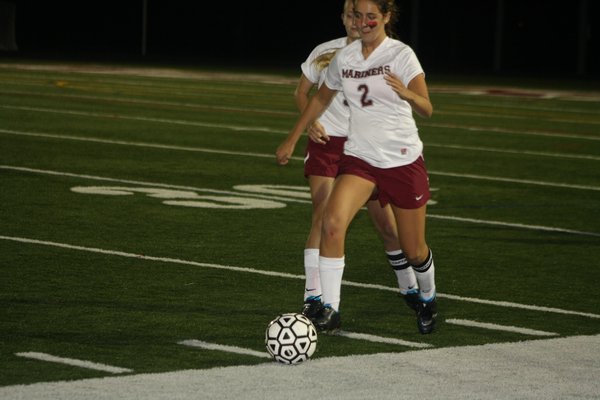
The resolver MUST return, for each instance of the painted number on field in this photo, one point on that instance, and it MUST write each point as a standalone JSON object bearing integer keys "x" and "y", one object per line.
{"x": 183, "y": 198}
{"x": 266, "y": 196}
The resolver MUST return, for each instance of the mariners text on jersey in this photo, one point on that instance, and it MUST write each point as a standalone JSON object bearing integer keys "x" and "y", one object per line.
{"x": 352, "y": 74}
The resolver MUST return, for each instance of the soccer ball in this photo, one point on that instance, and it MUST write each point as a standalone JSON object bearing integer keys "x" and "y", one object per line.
{"x": 291, "y": 338}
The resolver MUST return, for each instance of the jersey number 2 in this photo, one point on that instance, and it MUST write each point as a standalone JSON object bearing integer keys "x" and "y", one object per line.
{"x": 363, "y": 99}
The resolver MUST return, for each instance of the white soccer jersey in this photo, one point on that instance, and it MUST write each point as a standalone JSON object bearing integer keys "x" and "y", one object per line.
{"x": 382, "y": 130}
{"x": 335, "y": 118}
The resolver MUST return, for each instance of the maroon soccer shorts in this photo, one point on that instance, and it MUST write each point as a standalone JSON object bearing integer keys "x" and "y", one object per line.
{"x": 405, "y": 187}
{"x": 324, "y": 159}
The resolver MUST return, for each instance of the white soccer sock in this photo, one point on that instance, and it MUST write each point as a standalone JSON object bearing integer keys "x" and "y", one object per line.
{"x": 426, "y": 277}
{"x": 312, "y": 283}
{"x": 331, "y": 270}
{"x": 407, "y": 280}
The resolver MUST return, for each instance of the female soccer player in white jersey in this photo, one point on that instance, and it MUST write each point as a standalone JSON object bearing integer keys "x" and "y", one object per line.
{"x": 321, "y": 168}
{"x": 383, "y": 83}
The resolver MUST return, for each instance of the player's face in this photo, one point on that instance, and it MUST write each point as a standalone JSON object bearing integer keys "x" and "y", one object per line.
{"x": 348, "y": 20}
{"x": 369, "y": 20}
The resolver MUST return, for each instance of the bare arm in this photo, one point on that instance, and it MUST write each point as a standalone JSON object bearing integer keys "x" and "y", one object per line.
{"x": 316, "y": 106}
{"x": 416, "y": 93}
{"x": 302, "y": 91}
{"x": 315, "y": 130}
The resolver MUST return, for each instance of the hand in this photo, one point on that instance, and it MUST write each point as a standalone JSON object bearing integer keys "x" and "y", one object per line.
{"x": 284, "y": 152}
{"x": 416, "y": 94}
{"x": 398, "y": 87}
{"x": 317, "y": 133}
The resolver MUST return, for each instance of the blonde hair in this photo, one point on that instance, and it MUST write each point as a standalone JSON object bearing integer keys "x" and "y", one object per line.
{"x": 323, "y": 60}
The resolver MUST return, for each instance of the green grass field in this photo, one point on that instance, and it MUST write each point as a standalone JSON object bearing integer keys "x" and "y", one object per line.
{"x": 138, "y": 212}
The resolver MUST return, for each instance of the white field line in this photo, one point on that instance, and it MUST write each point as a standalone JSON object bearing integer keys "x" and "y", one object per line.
{"x": 494, "y": 115}
{"x": 512, "y": 225}
{"x": 173, "y": 73}
{"x": 350, "y": 335}
{"x": 511, "y": 180}
{"x": 520, "y": 107}
{"x": 138, "y": 144}
{"x": 161, "y": 103}
{"x": 283, "y": 275}
{"x": 507, "y": 304}
{"x": 146, "y": 119}
{"x": 474, "y": 128}
{"x": 261, "y": 155}
{"x": 521, "y": 152}
{"x": 289, "y": 199}
{"x": 146, "y": 72}
{"x": 112, "y": 99}
{"x": 229, "y": 152}
{"x": 219, "y": 347}
{"x": 503, "y": 328}
{"x": 265, "y": 129}
{"x": 74, "y": 362}
{"x": 508, "y": 92}
{"x": 152, "y": 184}
{"x": 380, "y": 339}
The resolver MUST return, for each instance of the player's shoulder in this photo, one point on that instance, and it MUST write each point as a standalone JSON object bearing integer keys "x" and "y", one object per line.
{"x": 334, "y": 44}
{"x": 353, "y": 48}
{"x": 396, "y": 46}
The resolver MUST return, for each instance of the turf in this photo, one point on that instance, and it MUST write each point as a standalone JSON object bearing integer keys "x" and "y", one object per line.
{"x": 120, "y": 280}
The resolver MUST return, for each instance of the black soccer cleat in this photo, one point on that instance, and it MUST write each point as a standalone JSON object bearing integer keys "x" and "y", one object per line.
{"x": 426, "y": 314}
{"x": 426, "y": 311}
{"x": 312, "y": 307}
{"x": 328, "y": 321}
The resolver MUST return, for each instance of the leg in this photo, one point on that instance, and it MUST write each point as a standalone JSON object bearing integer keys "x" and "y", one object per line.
{"x": 349, "y": 194}
{"x": 411, "y": 227}
{"x": 320, "y": 189}
{"x": 411, "y": 233}
{"x": 385, "y": 223}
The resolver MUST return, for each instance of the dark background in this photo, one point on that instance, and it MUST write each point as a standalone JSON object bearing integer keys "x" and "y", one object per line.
{"x": 533, "y": 37}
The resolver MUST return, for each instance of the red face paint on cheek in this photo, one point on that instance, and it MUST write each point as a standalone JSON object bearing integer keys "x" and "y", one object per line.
{"x": 372, "y": 24}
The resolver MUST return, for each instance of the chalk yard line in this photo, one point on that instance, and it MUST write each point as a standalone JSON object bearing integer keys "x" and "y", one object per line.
{"x": 496, "y": 327}
{"x": 133, "y": 100}
{"x": 350, "y": 335}
{"x": 381, "y": 339}
{"x": 513, "y": 225}
{"x": 473, "y": 128}
{"x": 73, "y": 362}
{"x": 152, "y": 184}
{"x": 286, "y": 275}
{"x": 262, "y": 155}
{"x": 219, "y": 347}
{"x": 290, "y": 199}
{"x": 148, "y": 119}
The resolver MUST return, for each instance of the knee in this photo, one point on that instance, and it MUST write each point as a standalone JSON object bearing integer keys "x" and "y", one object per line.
{"x": 332, "y": 228}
